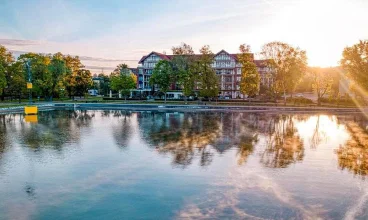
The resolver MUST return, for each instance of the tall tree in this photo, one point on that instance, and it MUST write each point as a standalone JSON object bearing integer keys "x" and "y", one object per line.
{"x": 355, "y": 62}
{"x": 208, "y": 81}
{"x": 322, "y": 82}
{"x": 41, "y": 76}
{"x": 250, "y": 79}
{"x": 162, "y": 76}
{"x": 83, "y": 79}
{"x": 182, "y": 66}
{"x": 6, "y": 59}
{"x": 288, "y": 63}
{"x": 57, "y": 68}
{"x": 122, "y": 80}
{"x": 104, "y": 83}
{"x": 73, "y": 65}
{"x": 3, "y": 82}
{"x": 122, "y": 69}
{"x": 17, "y": 82}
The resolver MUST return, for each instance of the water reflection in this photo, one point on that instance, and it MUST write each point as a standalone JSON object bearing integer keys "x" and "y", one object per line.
{"x": 184, "y": 136}
{"x": 123, "y": 130}
{"x": 353, "y": 155}
{"x": 256, "y": 165}
{"x": 284, "y": 145}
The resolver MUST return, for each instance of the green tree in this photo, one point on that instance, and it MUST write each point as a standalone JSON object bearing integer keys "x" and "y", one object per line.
{"x": 250, "y": 79}
{"x": 122, "y": 80}
{"x": 322, "y": 82}
{"x": 288, "y": 64}
{"x": 6, "y": 59}
{"x": 208, "y": 81}
{"x": 122, "y": 69}
{"x": 17, "y": 80}
{"x": 104, "y": 84}
{"x": 183, "y": 68}
{"x": 83, "y": 79}
{"x": 162, "y": 76}
{"x": 41, "y": 76}
{"x": 3, "y": 82}
{"x": 355, "y": 62}
{"x": 73, "y": 65}
{"x": 57, "y": 69}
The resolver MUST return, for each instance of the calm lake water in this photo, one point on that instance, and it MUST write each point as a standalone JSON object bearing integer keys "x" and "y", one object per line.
{"x": 183, "y": 165}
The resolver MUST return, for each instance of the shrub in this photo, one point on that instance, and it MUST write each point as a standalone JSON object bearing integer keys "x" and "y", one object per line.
{"x": 299, "y": 100}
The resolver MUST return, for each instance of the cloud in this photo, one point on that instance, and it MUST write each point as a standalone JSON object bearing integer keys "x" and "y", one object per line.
{"x": 16, "y": 42}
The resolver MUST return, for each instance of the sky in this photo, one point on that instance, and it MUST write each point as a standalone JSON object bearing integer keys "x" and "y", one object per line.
{"x": 106, "y": 33}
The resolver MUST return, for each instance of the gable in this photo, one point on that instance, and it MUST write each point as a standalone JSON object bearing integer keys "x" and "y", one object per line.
{"x": 223, "y": 55}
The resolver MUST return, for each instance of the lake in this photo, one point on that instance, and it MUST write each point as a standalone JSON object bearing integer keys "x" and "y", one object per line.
{"x": 183, "y": 165}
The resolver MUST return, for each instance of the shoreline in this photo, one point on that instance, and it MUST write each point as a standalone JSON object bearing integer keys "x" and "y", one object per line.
{"x": 148, "y": 107}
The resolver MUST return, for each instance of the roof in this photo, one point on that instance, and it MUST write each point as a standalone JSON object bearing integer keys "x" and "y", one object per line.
{"x": 134, "y": 70}
{"x": 259, "y": 63}
{"x": 161, "y": 55}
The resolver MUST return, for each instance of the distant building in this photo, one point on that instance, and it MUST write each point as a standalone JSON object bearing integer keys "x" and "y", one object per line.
{"x": 226, "y": 65}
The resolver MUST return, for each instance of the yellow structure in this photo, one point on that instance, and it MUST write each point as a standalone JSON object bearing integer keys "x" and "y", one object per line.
{"x": 30, "y": 110}
{"x": 31, "y": 118}
{"x": 29, "y": 85}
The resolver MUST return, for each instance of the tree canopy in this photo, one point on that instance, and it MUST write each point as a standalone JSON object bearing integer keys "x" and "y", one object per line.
{"x": 122, "y": 80}
{"x": 288, "y": 64}
{"x": 355, "y": 62}
{"x": 162, "y": 76}
{"x": 208, "y": 81}
{"x": 183, "y": 68}
{"x": 250, "y": 79}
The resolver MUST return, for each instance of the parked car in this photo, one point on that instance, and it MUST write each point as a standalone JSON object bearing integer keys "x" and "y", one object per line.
{"x": 299, "y": 95}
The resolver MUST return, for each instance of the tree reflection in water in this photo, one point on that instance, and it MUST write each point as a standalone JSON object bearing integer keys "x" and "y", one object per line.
{"x": 353, "y": 155}
{"x": 185, "y": 136}
{"x": 284, "y": 145}
{"x": 124, "y": 130}
{"x": 188, "y": 136}
{"x": 54, "y": 129}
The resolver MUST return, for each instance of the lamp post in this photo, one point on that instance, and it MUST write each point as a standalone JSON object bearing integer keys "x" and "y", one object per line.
{"x": 30, "y": 110}
{"x": 29, "y": 83}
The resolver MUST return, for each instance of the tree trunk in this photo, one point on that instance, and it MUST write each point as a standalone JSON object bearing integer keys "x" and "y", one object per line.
{"x": 284, "y": 97}
{"x": 3, "y": 95}
{"x": 165, "y": 97}
{"x": 318, "y": 101}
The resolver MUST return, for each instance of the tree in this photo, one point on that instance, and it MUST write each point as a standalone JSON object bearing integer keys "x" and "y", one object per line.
{"x": 57, "y": 69}
{"x": 182, "y": 68}
{"x": 288, "y": 63}
{"x": 122, "y": 69}
{"x": 6, "y": 59}
{"x": 250, "y": 79}
{"x": 208, "y": 81}
{"x": 322, "y": 82}
{"x": 41, "y": 76}
{"x": 104, "y": 83}
{"x": 122, "y": 80}
{"x": 3, "y": 83}
{"x": 162, "y": 76}
{"x": 73, "y": 65}
{"x": 17, "y": 80}
{"x": 355, "y": 62}
{"x": 83, "y": 79}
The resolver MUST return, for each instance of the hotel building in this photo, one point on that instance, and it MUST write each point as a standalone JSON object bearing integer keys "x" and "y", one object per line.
{"x": 226, "y": 65}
